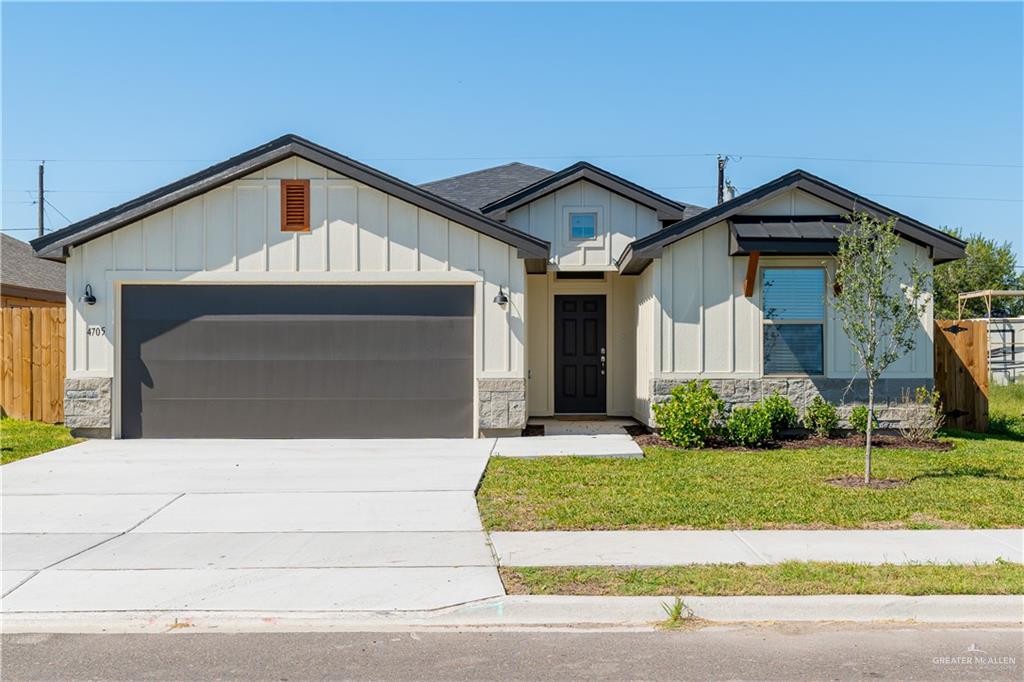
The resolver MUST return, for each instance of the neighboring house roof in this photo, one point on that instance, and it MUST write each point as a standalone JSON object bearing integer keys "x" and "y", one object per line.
{"x": 22, "y": 274}
{"x": 479, "y": 188}
{"x": 667, "y": 209}
{"x": 54, "y": 246}
{"x": 639, "y": 254}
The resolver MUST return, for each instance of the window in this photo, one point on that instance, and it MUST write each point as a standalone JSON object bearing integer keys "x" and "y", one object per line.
{"x": 295, "y": 205}
{"x": 794, "y": 320}
{"x": 582, "y": 225}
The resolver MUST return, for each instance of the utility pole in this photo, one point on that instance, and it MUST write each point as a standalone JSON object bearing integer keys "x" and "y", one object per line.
{"x": 40, "y": 198}
{"x": 721, "y": 177}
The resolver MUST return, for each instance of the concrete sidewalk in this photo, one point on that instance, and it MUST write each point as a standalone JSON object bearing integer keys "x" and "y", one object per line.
{"x": 577, "y": 445}
{"x": 675, "y": 547}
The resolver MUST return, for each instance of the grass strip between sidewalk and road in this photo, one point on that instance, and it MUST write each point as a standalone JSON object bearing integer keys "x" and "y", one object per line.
{"x": 790, "y": 578}
{"x": 20, "y": 439}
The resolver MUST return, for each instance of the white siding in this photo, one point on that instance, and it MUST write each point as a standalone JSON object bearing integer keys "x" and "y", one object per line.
{"x": 619, "y": 222}
{"x": 232, "y": 235}
{"x": 708, "y": 328}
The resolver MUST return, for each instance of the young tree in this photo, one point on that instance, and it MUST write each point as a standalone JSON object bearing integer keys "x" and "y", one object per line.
{"x": 879, "y": 301}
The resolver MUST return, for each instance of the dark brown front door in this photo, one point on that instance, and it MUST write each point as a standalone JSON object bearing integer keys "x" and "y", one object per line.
{"x": 580, "y": 355}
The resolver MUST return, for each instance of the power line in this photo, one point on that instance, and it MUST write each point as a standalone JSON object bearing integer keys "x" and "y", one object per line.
{"x": 50, "y": 204}
{"x": 665, "y": 155}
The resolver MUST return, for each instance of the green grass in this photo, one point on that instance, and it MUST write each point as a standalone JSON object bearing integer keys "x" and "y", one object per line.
{"x": 791, "y": 578}
{"x": 978, "y": 484}
{"x": 20, "y": 439}
{"x": 1006, "y": 409}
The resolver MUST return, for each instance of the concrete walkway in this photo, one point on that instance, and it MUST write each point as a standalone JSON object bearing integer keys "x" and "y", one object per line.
{"x": 229, "y": 525}
{"x": 579, "y": 445}
{"x": 674, "y": 547}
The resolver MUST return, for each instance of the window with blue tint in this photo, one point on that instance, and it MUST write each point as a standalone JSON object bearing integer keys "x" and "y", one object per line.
{"x": 793, "y": 301}
{"x": 793, "y": 349}
{"x": 582, "y": 225}
{"x": 794, "y": 293}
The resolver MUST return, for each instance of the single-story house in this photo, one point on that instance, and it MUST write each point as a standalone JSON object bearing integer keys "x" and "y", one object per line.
{"x": 291, "y": 291}
{"x": 27, "y": 281}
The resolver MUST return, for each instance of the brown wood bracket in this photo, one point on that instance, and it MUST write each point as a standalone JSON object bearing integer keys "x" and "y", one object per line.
{"x": 748, "y": 281}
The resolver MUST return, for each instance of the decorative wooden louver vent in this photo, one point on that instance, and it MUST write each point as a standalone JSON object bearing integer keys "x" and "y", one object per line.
{"x": 295, "y": 205}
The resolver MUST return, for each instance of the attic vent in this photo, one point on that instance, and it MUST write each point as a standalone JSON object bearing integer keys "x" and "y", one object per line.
{"x": 295, "y": 205}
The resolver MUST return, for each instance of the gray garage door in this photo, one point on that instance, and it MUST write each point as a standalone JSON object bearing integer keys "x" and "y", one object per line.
{"x": 290, "y": 361}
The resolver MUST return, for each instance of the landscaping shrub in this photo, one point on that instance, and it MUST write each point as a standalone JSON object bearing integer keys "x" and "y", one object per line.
{"x": 922, "y": 414}
{"x": 781, "y": 413}
{"x": 859, "y": 419}
{"x": 691, "y": 415}
{"x": 821, "y": 417}
{"x": 749, "y": 426}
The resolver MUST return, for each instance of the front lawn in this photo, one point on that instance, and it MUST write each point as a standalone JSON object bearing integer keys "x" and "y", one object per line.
{"x": 20, "y": 439}
{"x": 978, "y": 484}
{"x": 791, "y": 578}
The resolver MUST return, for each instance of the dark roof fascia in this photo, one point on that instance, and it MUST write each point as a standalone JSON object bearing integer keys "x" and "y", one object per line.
{"x": 666, "y": 208}
{"x": 55, "y": 245}
{"x": 638, "y": 254}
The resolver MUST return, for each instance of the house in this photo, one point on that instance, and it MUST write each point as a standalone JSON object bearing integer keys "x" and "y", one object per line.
{"x": 293, "y": 292}
{"x": 27, "y": 281}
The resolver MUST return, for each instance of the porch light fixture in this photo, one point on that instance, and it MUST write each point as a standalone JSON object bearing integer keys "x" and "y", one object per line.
{"x": 501, "y": 298}
{"x": 87, "y": 298}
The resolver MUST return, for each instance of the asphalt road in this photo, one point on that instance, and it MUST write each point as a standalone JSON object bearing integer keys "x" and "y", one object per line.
{"x": 744, "y": 652}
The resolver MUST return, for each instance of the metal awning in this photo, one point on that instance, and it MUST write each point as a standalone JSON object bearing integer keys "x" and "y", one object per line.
{"x": 785, "y": 235}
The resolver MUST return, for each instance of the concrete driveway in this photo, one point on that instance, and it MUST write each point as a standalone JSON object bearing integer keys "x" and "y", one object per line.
{"x": 233, "y": 525}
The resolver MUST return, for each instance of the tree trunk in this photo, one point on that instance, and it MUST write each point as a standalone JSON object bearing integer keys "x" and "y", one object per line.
{"x": 867, "y": 440}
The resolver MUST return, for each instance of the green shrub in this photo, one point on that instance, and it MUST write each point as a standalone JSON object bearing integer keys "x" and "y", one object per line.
{"x": 691, "y": 415}
{"x": 859, "y": 419}
{"x": 749, "y": 426}
{"x": 821, "y": 417}
{"x": 781, "y": 413}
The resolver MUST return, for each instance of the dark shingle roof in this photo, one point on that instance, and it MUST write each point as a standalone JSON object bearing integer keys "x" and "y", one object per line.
{"x": 19, "y": 267}
{"x": 486, "y": 186}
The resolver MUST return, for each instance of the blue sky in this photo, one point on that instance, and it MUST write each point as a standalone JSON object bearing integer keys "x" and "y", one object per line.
{"x": 426, "y": 91}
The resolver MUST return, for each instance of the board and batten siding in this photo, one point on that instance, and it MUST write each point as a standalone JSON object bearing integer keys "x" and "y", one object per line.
{"x": 702, "y": 325}
{"x": 619, "y": 222}
{"x": 359, "y": 234}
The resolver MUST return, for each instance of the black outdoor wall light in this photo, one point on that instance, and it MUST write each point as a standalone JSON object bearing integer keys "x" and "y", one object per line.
{"x": 87, "y": 298}
{"x": 501, "y": 298}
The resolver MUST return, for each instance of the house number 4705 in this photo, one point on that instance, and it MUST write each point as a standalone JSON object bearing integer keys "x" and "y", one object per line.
{"x": 96, "y": 330}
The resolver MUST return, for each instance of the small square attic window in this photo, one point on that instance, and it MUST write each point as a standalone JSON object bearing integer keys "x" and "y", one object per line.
{"x": 295, "y": 205}
{"x": 582, "y": 225}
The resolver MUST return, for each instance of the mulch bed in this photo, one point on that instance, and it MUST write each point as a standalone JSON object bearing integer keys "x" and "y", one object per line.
{"x": 857, "y": 481}
{"x": 644, "y": 438}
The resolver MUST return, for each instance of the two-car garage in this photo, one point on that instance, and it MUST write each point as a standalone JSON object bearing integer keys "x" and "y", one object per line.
{"x": 296, "y": 361}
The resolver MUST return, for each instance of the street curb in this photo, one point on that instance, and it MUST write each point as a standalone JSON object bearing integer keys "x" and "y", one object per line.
{"x": 547, "y": 612}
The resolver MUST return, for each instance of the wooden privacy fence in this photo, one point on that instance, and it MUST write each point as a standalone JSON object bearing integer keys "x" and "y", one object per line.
{"x": 961, "y": 372}
{"x": 33, "y": 352}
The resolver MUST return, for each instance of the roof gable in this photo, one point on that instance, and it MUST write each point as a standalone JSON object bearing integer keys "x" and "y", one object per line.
{"x": 55, "y": 245}
{"x": 638, "y": 254}
{"x": 667, "y": 209}
{"x": 479, "y": 188}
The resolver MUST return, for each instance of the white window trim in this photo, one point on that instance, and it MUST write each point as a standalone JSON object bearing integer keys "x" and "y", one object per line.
{"x": 822, "y": 322}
